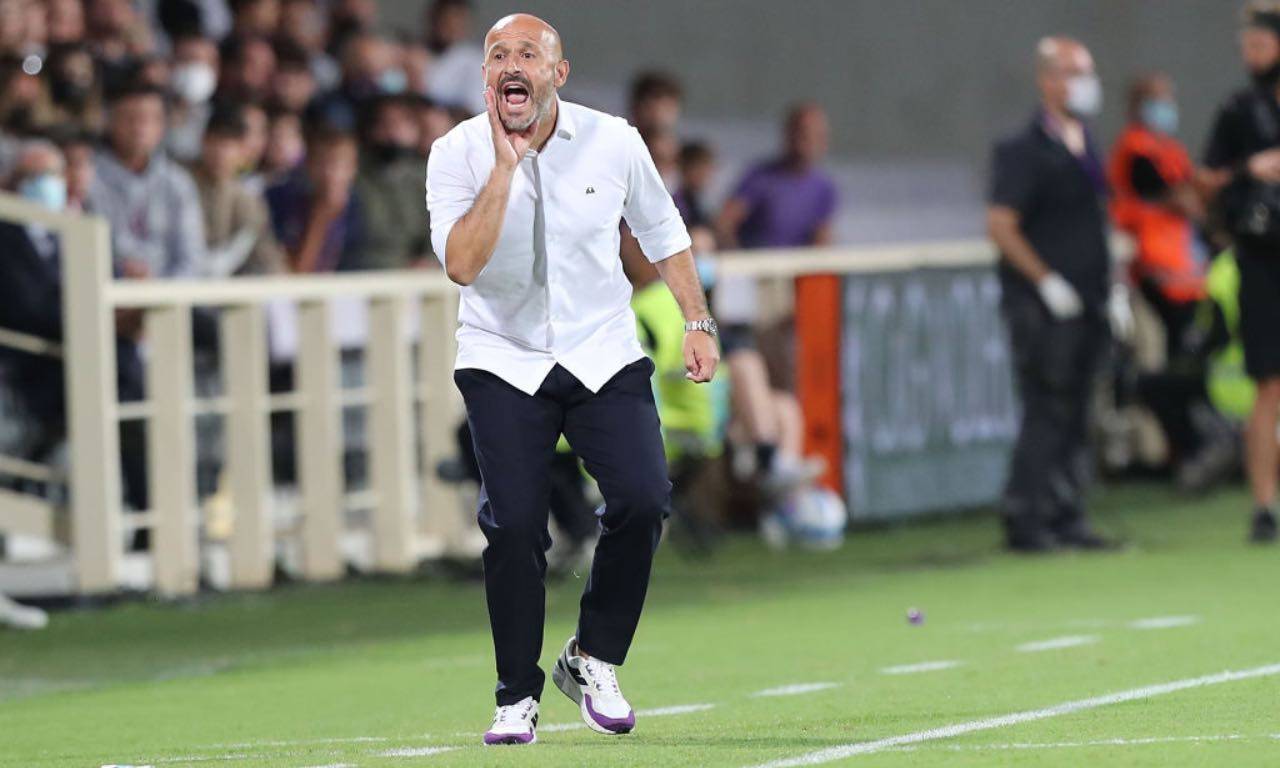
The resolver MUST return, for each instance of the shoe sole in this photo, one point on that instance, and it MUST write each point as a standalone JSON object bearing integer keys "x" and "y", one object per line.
{"x": 513, "y": 741}
{"x": 563, "y": 678}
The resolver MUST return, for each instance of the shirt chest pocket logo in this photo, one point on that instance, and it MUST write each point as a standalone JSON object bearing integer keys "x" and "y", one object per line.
{"x": 591, "y": 190}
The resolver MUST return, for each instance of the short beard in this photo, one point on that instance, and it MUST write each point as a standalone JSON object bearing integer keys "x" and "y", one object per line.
{"x": 542, "y": 109}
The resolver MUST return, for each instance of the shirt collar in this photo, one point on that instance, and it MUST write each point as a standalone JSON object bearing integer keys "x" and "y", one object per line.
{"x": 565, "y": 127}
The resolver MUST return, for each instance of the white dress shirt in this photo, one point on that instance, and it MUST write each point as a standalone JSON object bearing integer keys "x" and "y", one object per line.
{"x": 554, "y": 290}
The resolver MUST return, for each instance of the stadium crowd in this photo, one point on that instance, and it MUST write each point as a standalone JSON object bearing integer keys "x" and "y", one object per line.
{"x": 234, "y": 137}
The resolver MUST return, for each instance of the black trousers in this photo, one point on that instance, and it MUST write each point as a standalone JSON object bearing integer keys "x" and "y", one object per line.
{"x": 1054, "y": 366}
{"x": 569, "y": 506}
{"x": 616, "y": 433}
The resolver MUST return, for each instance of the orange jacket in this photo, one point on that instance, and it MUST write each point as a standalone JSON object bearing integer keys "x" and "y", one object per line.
{"x": 1163, "y": 236}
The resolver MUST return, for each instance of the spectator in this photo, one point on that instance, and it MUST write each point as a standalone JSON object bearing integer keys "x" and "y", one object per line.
{"x": 788, "y": 201}
{"x": 656, "y": 101}
{"x": 25, "y": 106}
{"x": 1242, "y": 169}
{"x": 255, "y": 147}
{"x": 31, "y": 302}
{"x": 294, "y": 85}
{"x": 349, "y": 19}
{"x": 664, "y": 148}
{"x": 453, "y": 78}
{"x": 285, "y": 146}
{"x": 434, "y": 121}
{"x": 390, "y": 185}
{"x": 255, "y": 18}
{"x": 315, "y": 216}
{"x": 303, "y": 26}
{"x": 65, "y": 22}
{"x": 150, "y": 71}
{"x": 118, "y": 35}
{"x": 236, "y": 223}
{"x": 1046, "y": 217}
{"x": 77, "y": 150}
{"x": 370, "y": 68}
{"x": 15, "y": 37}
{"x": 1155, "y": 202}
{"x": 150, "y": 202}
{"x": 74, "y": 88}
{"x": 193, "y": 81}
{"x": 248, "y": 66}
{"x": 697, "y": 168}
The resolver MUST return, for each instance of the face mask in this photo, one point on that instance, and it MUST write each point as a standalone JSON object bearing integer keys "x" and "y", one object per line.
{"x": 194, "y": 83}
{"x": 47, "y": 189}
{"x": 393, "y": 81}
{"x": 70, "y": 93}
{"x": 388, "y": 152}
{"x": 1160, "y": 115}
{"x": 1084, "y": 96}
{"x": 706, "y": 271}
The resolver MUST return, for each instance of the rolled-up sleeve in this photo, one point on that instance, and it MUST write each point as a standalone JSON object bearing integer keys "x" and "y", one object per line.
{"x": 648, "y": 209}
{"x": 451, "y": 190}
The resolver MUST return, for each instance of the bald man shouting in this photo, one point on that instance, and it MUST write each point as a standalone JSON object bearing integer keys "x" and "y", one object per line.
{"x": 525, "y": 204}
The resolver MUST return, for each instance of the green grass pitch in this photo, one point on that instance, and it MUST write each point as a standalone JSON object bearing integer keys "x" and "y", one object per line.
{"x": 398, "y": 673}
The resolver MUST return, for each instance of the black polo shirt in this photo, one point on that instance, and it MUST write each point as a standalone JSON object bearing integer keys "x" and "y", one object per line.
{"x": 1060, "y": 200}
{"x": 1246, "y": 124}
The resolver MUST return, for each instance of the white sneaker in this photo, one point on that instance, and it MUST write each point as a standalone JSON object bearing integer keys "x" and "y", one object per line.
{"x": 21, "y": 616}
{"x": 514, "y": 723}
{"x": 593, "y": 686}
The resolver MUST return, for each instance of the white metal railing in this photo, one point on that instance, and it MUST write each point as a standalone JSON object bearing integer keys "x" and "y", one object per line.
{"x": 412, "y": 514}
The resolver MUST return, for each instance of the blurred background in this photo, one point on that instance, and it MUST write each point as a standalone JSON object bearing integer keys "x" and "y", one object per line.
{"x": 235, "y": 367}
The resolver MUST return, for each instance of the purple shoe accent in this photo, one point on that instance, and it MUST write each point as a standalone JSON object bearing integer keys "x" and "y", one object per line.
{"x": 492, "y": 738}
{"x": 623, "y": 725}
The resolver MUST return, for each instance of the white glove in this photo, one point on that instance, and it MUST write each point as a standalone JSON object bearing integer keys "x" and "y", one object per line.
{"x": 1058, "y": 295}
{"x": 1120, "y": 312}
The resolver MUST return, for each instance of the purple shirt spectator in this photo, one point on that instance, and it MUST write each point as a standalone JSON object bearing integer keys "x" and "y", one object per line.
{"x": 290, "y": 204}
{"x": 785, "y": 208}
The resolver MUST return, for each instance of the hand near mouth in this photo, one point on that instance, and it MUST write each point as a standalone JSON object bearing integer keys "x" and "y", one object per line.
{"x": 508, "y": 146}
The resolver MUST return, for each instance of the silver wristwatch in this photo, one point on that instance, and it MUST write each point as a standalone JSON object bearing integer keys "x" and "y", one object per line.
{"x": 706, "y": 325}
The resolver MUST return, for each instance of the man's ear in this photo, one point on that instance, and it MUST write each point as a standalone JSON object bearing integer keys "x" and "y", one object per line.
{"x": 562, "y": 72}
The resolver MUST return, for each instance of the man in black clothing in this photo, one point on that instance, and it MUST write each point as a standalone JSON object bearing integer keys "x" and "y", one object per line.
{"x": 1047, "y": 219}
{"x": 31, "y": 303}
{"x": 1242, "y": 163}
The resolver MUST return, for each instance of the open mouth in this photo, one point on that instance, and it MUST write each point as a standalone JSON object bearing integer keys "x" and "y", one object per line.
{"x": 515, "y": 94}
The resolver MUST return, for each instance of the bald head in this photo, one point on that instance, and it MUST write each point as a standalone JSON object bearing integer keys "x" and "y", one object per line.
{"x": 1056, "y": 54}
{"x": 1066, "y": 79}
{"x": 524, "y": 64}
{"x": 525, "y": 27}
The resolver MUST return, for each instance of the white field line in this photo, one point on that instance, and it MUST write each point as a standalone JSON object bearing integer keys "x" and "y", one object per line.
{"x": 308, "y": 742}
{"x": 1164, "y": 622}
{"x": 333, "y": 765}
{"x": 794, "y": 690}
{"x": 1119, "y": 742}
{"x": 680, "y": 709}
{"x": 1056, "y": 643}
{"x": 924, "y": 666}
{"x": 845, "y": 751}
{"x": 414, "y": 751}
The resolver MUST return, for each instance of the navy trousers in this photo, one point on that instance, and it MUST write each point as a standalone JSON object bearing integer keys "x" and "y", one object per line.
{"x": 616, "y": 433}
